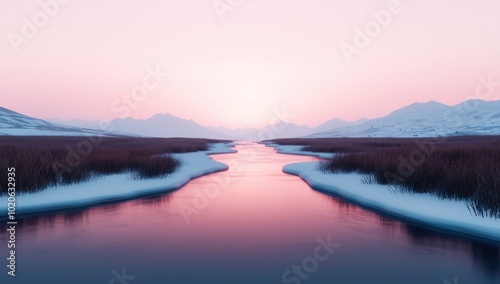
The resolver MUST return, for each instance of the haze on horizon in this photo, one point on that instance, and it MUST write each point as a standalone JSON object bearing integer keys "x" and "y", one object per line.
{"x": 238, "y": 65}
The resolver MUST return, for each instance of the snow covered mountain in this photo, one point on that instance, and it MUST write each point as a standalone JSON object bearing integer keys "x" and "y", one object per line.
{"x": 473, "y": 117}
{"x": 165, "y": 125}
{"x": 159, "y": 125}
{"x": 13, "y": 123}
{"x": 81, "y": 123}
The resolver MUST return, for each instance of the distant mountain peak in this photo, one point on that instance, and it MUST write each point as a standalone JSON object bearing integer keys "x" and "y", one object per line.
{"x": 426, "y": 104}
{"x": 162, "y": 115}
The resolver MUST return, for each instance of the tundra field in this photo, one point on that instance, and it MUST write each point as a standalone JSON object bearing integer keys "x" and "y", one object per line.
{"x": 43, "y": 161}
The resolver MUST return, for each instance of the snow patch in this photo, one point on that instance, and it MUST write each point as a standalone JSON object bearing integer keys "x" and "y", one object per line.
{"x": 119, "y": 186}
{"x": 295, "y": 150}
{"x": 425, "y": 209}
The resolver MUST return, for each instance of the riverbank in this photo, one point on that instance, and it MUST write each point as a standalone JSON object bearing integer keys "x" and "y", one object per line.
{"x": 296, "y": 150}
{"x": 425, "y": 209}
{"x": 119, "y": 187}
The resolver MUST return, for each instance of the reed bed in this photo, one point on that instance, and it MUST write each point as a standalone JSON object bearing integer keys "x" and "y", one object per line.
{"x": 458, "y": 168}
{"x": 44, "y": 161}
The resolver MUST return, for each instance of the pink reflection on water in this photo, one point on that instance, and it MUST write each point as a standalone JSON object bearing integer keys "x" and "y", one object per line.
{"x": 255, "y": 213}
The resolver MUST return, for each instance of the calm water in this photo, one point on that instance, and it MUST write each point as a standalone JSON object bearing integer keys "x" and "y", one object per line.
{"x": 249, "y": 224}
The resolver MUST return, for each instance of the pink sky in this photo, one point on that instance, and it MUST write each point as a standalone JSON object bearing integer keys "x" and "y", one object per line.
{"x": 264, "y": 56}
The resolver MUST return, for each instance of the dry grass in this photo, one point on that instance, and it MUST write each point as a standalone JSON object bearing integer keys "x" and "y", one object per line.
{"x": 41, "y": 162}
{"x": 459, "y": 168}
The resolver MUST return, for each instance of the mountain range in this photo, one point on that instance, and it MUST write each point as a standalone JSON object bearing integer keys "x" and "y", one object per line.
{"x": 472, "y": 117}
{"x": 431, "y": 119}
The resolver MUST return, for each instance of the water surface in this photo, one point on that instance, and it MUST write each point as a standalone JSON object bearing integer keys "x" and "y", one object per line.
{"x": 249, "y": 224}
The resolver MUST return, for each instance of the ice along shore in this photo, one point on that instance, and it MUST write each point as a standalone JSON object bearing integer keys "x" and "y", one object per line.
{"x": 121, "y": 186}
{"x": 424, "y": 209}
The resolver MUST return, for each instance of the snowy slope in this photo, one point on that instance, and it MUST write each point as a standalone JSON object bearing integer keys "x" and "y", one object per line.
{"x": 473, "y": 117}
{"x": 75, "y": 122}
{"x": 13, "y": 123}
{"x": 444, "y": 214}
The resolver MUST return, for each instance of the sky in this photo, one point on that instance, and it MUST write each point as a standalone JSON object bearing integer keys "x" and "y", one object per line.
{"x": 236, "y": 63}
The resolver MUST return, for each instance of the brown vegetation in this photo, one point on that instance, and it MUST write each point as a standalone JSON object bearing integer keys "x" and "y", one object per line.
{"x": 41, "y": 162}
{"x": 460, "y": 168}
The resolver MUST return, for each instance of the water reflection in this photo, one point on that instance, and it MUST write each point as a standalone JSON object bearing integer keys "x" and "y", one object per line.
{"x": 260, "y": 223}
{"x": 485, "y": 254}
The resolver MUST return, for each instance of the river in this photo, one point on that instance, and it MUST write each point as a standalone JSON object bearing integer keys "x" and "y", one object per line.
{"x": 250, "y": 224}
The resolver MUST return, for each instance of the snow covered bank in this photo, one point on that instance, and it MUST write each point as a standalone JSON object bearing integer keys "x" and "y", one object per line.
{"x": 425, "y": 209}
{"x": 295, "y": 150}
{"x": 119, "y": 186}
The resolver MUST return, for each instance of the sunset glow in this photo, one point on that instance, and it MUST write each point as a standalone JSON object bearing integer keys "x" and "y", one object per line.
{"x": 235, "y": 67}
